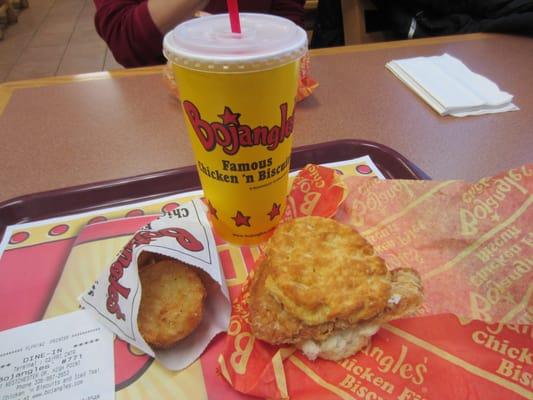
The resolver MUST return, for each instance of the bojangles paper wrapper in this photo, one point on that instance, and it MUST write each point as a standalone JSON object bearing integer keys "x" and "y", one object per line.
{"x": 472, "y": 244}
{"x": 315, "y": 190}
{"x": 183, "y": 234}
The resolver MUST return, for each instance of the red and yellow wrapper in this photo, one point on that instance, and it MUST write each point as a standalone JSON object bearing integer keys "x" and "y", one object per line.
{"x": 306, "y": 84}
{"x": 472, "y": 244}
{"x": 316, "y": 190}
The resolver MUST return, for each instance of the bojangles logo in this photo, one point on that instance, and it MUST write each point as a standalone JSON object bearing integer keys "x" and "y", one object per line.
{"x": 123, "y": 261}
{"x": 231, "y": 135}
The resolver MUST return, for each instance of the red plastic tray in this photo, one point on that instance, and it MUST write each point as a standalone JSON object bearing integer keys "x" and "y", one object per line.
{"x": 93, "y": 196}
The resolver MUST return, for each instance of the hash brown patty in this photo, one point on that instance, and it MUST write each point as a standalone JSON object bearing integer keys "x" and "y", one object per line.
{"x": 172, "y": 302}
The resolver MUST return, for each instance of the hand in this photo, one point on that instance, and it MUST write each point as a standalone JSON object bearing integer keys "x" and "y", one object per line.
{"x": 166, "y": 14}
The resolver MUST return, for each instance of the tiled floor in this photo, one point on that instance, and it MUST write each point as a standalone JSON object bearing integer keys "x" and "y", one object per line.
{"x": 53, "y": 37}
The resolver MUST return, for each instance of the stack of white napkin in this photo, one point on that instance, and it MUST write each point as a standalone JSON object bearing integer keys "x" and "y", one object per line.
{"x": 448, "y": 86}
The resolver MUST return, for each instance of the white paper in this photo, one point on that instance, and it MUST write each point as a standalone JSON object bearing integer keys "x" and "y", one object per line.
{"x": 64, "y": 358}
{"x": 183, "y": 234}
{"x": 450, "y": 87}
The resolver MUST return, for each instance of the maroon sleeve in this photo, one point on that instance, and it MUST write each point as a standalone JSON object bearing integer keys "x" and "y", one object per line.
{"x": 129, "y": 31}
{"x": 291, "y": 9}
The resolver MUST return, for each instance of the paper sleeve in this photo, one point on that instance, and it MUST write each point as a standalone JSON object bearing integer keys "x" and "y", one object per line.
{"x": 183, "y": 234}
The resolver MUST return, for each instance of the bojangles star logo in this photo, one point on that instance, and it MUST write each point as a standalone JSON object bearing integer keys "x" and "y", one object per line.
{"x": 275, "y": 211}
{"x": 241, "y": 219}
{"x": 229, "y": 117}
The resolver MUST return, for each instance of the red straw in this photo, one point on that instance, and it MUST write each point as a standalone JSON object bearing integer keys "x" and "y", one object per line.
{"x": 233, "y": 10}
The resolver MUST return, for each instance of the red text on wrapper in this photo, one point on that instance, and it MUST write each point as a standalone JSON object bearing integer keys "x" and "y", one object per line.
{"x": 231, "y": 135}
{"x": 123, "y": 261}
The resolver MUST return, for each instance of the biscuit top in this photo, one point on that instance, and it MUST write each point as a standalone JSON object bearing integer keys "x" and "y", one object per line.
{"x": 321, "y": 270}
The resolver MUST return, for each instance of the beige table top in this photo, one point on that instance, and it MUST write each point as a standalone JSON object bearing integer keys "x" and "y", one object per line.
{"x": 67, "y": 131}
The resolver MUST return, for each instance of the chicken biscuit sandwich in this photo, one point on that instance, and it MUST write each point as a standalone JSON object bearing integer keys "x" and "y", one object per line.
{"x": 321, "y": 288}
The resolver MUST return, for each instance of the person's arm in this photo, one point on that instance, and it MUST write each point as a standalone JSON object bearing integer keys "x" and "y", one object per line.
{"x": 291, "y": 9}
{"x": 133, "y": 34}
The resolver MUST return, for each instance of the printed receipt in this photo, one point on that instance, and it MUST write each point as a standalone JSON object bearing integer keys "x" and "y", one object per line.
{"x": 67, "y": 357}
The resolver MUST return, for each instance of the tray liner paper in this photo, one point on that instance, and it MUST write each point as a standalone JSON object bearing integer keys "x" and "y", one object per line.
{"x": 472, "y": 245}
{"x": 183, "y": 234}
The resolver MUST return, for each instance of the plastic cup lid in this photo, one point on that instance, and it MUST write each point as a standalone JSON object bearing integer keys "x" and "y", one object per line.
{"x": 208, "y": 44}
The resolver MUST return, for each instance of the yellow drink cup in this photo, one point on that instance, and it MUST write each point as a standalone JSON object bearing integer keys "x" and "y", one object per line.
{"x": 237, "y": 93}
